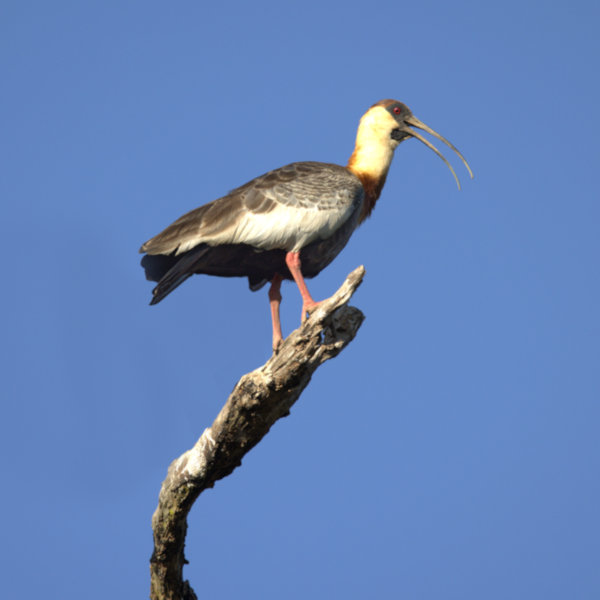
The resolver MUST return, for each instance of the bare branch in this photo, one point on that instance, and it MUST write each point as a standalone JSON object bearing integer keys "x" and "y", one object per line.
{"x": 258, "y": 400}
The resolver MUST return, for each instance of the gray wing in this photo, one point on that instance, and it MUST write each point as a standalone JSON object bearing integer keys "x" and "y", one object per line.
{"x": 287, "y": 209}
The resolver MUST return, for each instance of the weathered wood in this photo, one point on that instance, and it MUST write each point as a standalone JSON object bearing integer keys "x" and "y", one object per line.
{"x": 258, "y": 400}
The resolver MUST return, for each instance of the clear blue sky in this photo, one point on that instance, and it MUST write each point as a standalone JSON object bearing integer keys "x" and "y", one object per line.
{"x": 451, "y": 452}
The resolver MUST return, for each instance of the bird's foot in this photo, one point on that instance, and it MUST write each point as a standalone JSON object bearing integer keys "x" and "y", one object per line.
{"x": 277, "y": 343}
{"x": 308, "y": 308}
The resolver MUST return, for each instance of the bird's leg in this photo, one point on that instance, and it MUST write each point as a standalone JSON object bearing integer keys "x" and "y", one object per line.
{"x": 275, "y": 301}
{"x": 292, "y": 260}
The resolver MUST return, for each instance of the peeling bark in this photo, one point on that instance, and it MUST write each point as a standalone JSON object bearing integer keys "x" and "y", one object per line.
{"x": 258, "y": 400}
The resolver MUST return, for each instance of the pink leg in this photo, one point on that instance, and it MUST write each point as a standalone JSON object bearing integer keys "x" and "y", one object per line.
{"x": 275, "y": 301}
{"x": 292, "y": 260}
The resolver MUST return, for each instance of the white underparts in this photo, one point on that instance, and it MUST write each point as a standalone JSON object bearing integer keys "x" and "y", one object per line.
{"x": 286, "y": 227}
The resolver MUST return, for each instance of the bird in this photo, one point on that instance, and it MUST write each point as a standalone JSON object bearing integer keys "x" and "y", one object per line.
{"x": 289, "y": 223}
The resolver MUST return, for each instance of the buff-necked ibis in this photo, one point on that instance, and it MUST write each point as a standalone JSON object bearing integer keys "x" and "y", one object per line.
{"x": 289, "y": 223}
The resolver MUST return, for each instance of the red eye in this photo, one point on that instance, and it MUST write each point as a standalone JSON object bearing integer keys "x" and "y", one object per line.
{"x": 397, "y": 110}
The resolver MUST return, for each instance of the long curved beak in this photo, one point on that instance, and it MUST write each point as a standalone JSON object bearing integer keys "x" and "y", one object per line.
{"x": 412, "y": 120}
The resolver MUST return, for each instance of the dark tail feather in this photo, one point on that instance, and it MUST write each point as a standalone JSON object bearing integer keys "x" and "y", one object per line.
{"x": 170, "y": 271}
{"x": 158, "y": 265}
{"x": 225, "y": 260}
{"x": 166, "y": 286}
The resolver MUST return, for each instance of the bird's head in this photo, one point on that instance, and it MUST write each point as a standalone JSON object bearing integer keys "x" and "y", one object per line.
{"x": 384, "y": 126}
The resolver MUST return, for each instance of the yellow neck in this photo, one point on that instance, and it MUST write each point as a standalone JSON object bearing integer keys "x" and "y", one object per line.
{"x": 371, "y": 160}
{"x": 372, "y": 155}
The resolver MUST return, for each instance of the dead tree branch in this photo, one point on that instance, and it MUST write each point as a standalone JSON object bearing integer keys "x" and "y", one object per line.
{"x": 258, "y": 400}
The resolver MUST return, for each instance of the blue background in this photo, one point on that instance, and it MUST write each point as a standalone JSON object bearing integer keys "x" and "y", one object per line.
{"x": 452, "y": 450}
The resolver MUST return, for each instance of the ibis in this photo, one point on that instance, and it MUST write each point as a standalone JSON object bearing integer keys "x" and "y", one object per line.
{"x": 289, "y": 223}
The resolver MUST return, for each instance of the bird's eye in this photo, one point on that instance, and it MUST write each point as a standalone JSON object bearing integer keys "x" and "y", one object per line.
{"x": 397, "y": 110}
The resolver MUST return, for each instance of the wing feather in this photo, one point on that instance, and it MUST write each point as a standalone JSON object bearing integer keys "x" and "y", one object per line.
{"x": 286, "y": 209}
